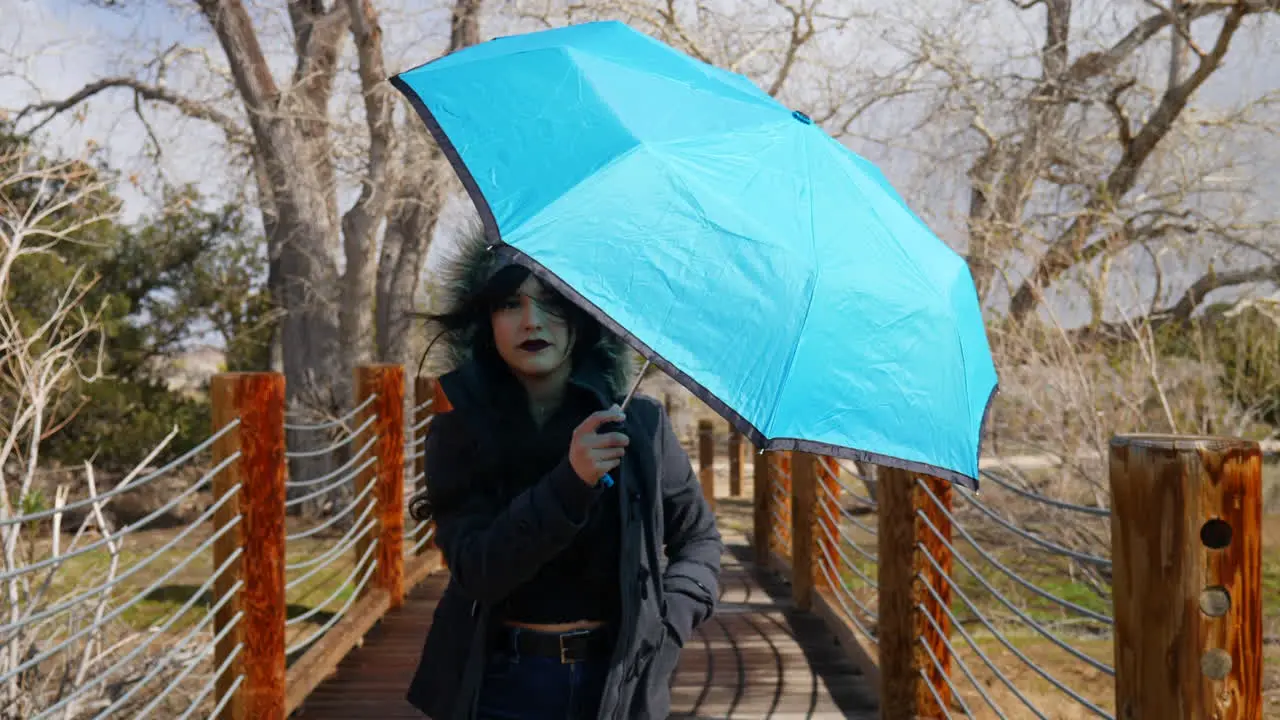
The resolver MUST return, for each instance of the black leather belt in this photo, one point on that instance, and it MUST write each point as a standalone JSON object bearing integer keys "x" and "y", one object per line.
{"x": 567, "y": 647}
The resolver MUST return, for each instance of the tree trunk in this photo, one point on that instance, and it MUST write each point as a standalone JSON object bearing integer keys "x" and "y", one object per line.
{"x": 414, "y": 216}
{"x": 300, "y": 216}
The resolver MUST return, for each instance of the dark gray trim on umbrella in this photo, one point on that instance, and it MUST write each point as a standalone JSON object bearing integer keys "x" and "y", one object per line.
{"x": 743, "y": 425}
{"x": 455, "y": 160}
{"x": 740, "y": 423}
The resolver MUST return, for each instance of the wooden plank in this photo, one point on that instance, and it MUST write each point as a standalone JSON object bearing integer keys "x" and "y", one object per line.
{"x": 1187, "y": 571}
{"x": 257, "y": 400}
{"x": 758, "y": 658}
{"x": 762, "y": 507}
{"x": 322, "y": 658}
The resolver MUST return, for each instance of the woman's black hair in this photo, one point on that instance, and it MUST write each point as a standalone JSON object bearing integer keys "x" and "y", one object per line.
{"x": 470, "y": 325}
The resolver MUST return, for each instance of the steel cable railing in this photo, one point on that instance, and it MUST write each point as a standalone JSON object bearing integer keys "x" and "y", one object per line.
{"x": 321, "y": 571}
{"x": 341, "y": 422}
{"x": 116, "y": 621}
{"x": 417, "y": 533}
{"x": 846, "y": 557}
{"x": 1026, "y": 592}
{"x": 137, "y": 617}
{"x": 1007, "y": 616}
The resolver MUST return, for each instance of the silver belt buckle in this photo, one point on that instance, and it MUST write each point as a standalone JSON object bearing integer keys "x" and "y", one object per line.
{"x": 572, "y": 633}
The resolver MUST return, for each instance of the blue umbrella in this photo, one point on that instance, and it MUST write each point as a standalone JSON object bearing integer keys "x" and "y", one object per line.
{"x": 728, "y": 239}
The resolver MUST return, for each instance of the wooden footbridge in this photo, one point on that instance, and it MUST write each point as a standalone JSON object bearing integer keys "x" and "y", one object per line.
{"x": 845, "y": 593}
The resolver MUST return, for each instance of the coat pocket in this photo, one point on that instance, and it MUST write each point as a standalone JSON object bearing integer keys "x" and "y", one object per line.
{"x": 651, "y": 695}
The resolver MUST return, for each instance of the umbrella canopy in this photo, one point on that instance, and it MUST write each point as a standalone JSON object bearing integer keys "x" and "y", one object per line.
{"x": 730, "y": 240}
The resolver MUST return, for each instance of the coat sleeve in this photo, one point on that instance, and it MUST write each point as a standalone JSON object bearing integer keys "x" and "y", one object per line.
{"x": 691, "y": 581}
{"x": 492, "y": 550}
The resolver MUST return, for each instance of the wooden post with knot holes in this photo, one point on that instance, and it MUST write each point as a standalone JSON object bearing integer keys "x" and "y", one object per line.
{"x": 1186, "y": 551}
{"x": 707, "y": 461}
{"x": 385, "y": 385}
{"x": 914, "y": 536}
{"x": 803, "y": 516}
{"x": 429, "y": 401}
{"x": 735, "y": 463}
{"x": 249, "y": 492}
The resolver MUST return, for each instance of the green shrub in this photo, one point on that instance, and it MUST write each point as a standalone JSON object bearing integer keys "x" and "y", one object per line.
{"x": 121, "y": 421}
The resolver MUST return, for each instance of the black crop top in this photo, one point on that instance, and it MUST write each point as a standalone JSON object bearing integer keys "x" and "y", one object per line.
{"x": 581, "y": 582}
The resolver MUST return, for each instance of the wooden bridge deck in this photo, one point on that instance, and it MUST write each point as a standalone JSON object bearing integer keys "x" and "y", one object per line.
{"x": 757, "y": 658}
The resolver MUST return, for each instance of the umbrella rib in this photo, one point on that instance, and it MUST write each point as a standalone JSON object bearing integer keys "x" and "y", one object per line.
{"x": 813, "y": 291}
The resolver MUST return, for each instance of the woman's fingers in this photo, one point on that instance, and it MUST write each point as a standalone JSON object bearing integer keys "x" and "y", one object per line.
{"x": 593, "y": 453}
{"x": 608, "y": 440}
{"x": 596, "y": 419}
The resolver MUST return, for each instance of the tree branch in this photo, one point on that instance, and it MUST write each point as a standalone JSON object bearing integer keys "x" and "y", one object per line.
{"x": 1070, "y": 247}
{"x": 145, "y": 91}
{"x": 1183, "y": 309}
{"x": 318, "y": 38}
{"x": 1123, "y": 130}
{"x": 1212, "y": 281}
{"x": 1097, "y": 63}
{"x": 801, "y": 33}
{"x": 249, "y": 67}
{"x": 464, "y": 24}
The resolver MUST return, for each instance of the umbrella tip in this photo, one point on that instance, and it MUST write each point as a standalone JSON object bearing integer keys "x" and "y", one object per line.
{"x": 801, "y": 117}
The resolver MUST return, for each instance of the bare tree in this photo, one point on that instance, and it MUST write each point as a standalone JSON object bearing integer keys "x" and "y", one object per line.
{"x": 292, "y": 135}
{"x": 55, "y": 634}
{"x": 774, "y": 42}
{"x": 1086, "y": 153}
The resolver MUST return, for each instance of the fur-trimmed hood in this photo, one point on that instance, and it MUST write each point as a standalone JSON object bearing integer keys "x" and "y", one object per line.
{"x": 608, "y": 368}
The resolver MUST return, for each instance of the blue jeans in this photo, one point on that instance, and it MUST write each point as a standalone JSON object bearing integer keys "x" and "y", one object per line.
{"x": 541, "y": 688}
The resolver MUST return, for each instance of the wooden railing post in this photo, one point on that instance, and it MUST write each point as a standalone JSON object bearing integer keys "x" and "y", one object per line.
{"x": 257, "y": 638}
{"x": 424, "y": 389}
{"x": 385, "y": 385}
{"x": 735, "y": 463}
{"x": 707, "y": 461}
{"x": 908, "y": 519}
{"x": 780, "y": 477}
{"x": 1186, "y": 551}
{"x": 762, "y": 505}
{"x": 803, "y": 507}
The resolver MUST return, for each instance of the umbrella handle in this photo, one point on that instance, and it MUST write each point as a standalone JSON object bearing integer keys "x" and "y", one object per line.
{"x": 607, "y": 480}
{"x": 636, "y": 383}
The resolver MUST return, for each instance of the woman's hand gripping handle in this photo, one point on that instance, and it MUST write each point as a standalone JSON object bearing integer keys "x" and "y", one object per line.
{"x": 598, "y": 446}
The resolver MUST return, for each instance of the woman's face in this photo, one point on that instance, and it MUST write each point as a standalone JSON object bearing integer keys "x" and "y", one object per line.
{"x": 532, "y": 335}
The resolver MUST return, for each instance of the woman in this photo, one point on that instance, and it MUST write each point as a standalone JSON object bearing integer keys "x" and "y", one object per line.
{"x": 570, "y": 594}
